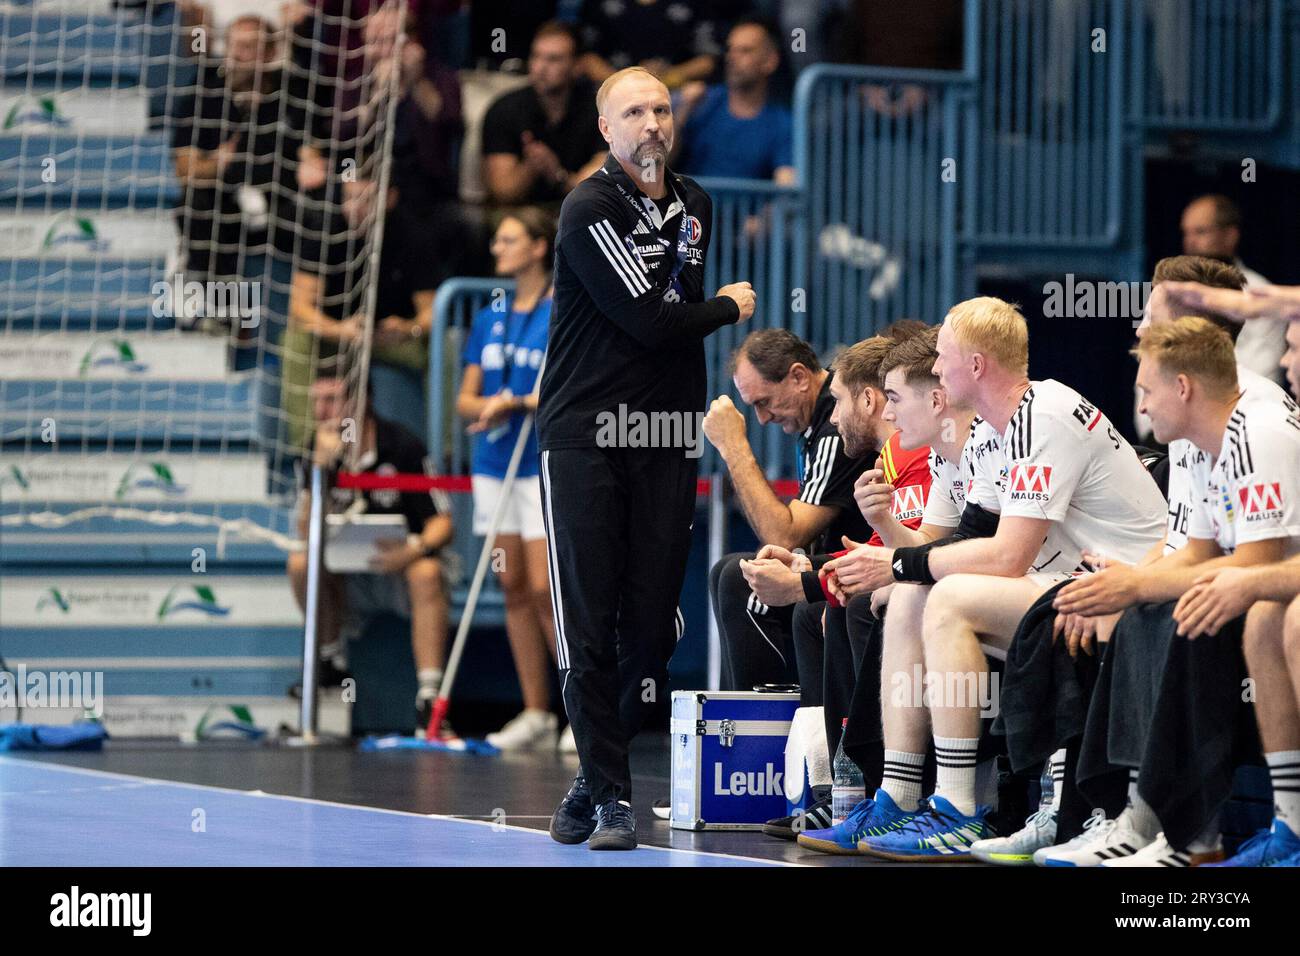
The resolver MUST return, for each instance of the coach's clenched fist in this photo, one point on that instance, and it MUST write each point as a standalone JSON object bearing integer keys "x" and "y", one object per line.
{"x": 724, "y": 425}
{"x": 741, "y": 293}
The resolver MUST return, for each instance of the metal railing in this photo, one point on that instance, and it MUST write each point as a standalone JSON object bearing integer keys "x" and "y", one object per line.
{"x": 880, "y": 159}
{"x": 1049, "y": 125}
{"x": 1214, "y": 65}
{"x": 454, "y": 307}
{"x": 759, "y": 237}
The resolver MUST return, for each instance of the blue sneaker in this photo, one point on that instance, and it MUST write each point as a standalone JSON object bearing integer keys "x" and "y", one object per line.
{"x": 871, "y": 817}
{"x": 938, "y": 834}
{"x": 1266, "y": 848}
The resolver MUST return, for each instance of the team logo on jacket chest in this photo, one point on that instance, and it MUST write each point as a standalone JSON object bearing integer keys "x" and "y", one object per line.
{"x": 693, "y": 230}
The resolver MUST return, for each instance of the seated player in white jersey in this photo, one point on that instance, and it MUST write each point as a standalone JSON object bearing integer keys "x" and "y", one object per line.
{"x": 1082, "y": 630}
{"x": 1081, "y": 633}
{"x": 1073, "y": 484}
{"x": 1271, "y": 636}
{"x": 961, "y": 503}
{"x": 1177, "y": 734}
{"x": 1269, "y": 596}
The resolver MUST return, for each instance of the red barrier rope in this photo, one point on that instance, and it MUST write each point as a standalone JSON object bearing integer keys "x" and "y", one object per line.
{"x": 460, "y": 484}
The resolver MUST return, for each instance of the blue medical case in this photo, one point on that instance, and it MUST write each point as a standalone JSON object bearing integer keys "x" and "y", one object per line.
{"x": 728, "y": 758}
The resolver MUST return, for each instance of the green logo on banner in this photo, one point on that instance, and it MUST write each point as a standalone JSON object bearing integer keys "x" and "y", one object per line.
{"x": 206, "y": 603}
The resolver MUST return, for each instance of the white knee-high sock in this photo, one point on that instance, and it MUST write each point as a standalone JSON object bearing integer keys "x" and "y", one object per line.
{"x": 1284, "y": 770}
{"x": 1056, "y": 765}
{"x": 1140, "y": 814}
{"x": 955, "y": 776}
{"x": 902, "y": 778}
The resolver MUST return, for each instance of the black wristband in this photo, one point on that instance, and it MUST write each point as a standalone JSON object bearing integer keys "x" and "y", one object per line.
{"x": 913, "y": 565}
{"x": 812, "y": 587}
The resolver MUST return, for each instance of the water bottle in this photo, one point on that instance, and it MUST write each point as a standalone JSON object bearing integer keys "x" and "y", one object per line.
{"x": 847, "y": 787}
{"x": 1046, "y": 787}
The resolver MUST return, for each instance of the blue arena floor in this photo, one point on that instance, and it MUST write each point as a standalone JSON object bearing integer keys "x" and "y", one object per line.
{"x": 52, "y": 814}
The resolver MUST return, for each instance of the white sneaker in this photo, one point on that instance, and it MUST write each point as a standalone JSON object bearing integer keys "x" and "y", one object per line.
{"x": 1160, "y": 853}
{"x": 528, "y": 730}
{"x": 1100, "y": 840}
{"x": 567, "y": 745}
{"x": 1018, "y": 849}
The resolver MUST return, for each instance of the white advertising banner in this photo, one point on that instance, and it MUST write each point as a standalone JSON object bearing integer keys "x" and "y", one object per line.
{"x": 119, "y": 356}
{"x": 129, "y": 479}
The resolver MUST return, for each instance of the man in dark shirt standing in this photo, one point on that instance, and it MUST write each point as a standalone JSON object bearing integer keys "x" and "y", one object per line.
{"x": 539, "y": 142}
{"x": 618, "y": 427}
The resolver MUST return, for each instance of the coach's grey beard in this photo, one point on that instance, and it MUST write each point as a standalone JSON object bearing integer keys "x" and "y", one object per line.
{"x": 655, "y": 152}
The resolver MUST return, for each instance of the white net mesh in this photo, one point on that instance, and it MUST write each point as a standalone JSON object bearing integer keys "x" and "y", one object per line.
{"x": 191, "y": 205}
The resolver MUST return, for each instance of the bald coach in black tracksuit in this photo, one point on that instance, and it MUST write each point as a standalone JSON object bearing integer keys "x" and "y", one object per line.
{"x": 626, "y": 341}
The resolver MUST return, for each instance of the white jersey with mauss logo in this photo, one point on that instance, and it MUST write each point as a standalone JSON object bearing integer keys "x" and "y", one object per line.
{"x": 1067, "y": 463}
{"x": 1249, "y": 492}
{"x": 975, "y": 477}
{"x": 1184, "y": 457}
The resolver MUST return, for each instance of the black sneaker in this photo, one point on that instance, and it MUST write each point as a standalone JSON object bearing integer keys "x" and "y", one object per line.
{"x": 615, "y": 827}
{"x": 663, "y": 808}
{"x": 575, "y": 817}
{"x": 816, "y": 817}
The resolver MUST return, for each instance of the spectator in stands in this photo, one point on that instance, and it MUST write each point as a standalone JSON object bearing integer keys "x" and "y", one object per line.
{"x": 734, "y": 129}
{"x": 406, "y": 577}
{"x": 541, "y": 141}
{"x": 217, "y": 16}
{"x": 427, "y": 123}
{"x": 1211, "y": 226}
{"x": 779, "y": 375}
{"x": 327, "y": 302}
{"x": 676, "y": 40}
{"x": 502, "y": 360}
{"x": 224, "y": 158}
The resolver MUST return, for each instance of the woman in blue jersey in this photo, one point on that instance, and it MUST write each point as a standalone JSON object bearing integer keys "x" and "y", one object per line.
{"x": 502, "y": 358}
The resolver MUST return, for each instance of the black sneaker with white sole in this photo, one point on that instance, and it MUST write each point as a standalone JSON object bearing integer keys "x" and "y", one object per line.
{"x": 615, "y": 827}
{"x": 575, "y": 817}
{"x": 663, "y": 808}
{"x": 816, "y": 817}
